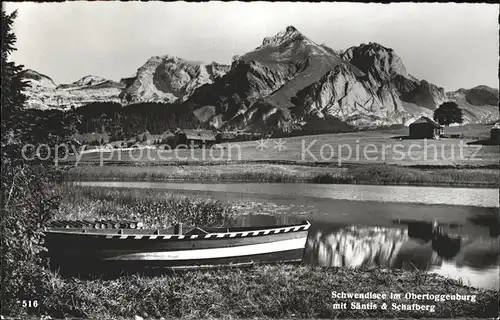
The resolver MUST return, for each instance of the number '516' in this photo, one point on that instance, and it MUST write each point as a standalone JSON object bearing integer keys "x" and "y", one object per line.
{"x": 29, "y": 303}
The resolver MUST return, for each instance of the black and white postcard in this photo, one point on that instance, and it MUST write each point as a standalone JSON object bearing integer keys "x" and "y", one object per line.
{"x": 249, "y": 160}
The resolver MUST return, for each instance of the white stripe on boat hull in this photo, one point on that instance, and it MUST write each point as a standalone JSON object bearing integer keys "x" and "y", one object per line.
{"x": 214, "y": 253}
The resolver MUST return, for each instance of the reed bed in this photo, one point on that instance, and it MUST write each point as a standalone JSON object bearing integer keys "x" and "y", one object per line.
{"x": 389, "y": 174}
{"x": 155, "y": 208}
{"x": 356, "y": 174}
{"x": 255, "y": 172}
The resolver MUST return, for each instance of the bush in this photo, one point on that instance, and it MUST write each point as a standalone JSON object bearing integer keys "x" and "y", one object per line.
{"x": 28, "y": 203}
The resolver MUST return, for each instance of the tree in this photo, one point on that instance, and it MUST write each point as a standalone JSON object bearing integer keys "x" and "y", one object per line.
{"x": 448, "y": 113}
{"x": 12, "y": 87}
{"x": 27, "y": 195}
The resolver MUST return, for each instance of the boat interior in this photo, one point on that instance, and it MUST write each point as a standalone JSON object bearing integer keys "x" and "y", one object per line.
{"x": 173, "y": 230}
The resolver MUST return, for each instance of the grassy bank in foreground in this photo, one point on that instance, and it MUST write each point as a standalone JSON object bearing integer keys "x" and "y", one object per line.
{"x": 155, "y": 208}
{"x": 259, "y": 292}
{"x": 272, "y": 292}
{"x": 269, "y": 172}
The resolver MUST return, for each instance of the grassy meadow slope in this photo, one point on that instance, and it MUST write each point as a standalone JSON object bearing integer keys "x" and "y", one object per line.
{"x": 365, "y": 147}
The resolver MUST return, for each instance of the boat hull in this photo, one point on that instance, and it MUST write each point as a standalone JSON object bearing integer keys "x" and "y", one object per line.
{"x": 82, "y": 249}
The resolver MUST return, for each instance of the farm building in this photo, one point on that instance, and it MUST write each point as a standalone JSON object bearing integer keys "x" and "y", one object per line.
{"x": 226, "y": 137}
{"x": 495, "y": 132}
{"x": 425, "y": 128}
{"x": 191, "y": 137}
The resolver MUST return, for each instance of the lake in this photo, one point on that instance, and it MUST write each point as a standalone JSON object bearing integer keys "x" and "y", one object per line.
{"x": 361, "y": 225}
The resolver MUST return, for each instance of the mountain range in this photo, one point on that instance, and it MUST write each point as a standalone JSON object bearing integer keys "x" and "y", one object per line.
{"x": 288, "y": 82}
{"x": 43, "y": 93}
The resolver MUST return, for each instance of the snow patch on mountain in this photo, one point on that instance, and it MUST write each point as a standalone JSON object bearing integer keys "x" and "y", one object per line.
{"x": 89, "y": 81}
{"x": 35, "y": 78}
{"x": 43, "y": 93}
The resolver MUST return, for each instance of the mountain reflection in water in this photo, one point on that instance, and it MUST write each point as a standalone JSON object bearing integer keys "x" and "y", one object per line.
{"x": 355, "y": 246}
{"x": 475, "y": 261}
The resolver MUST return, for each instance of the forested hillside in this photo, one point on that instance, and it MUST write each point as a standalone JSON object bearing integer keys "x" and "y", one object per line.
{"x": 119, "y": 122}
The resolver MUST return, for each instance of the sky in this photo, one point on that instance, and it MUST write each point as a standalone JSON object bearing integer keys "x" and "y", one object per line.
{"x": 450, "y": 45}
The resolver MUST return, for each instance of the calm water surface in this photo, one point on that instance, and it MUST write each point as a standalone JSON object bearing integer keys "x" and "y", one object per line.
{"x": 360, "y": 225}
{"x": 482, "y": 197}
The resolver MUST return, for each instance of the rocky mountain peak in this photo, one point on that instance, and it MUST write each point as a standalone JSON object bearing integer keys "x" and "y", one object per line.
{"x": 36, "y": 78}
{"x": 486, "y": 88}
{"x": 173, "y": 59}
{"x": 376, "y": 46}
{"x": 42, "y": 92}
{"x": 290, "y": 33}
{"x": 32, "y": 74}
{"x": 482, "y": 95}
{"x": 376, "y": 59}
{"x": 169, "y": 78}
{"x": 287, "y": 46}
{"x": 288, "y": 83}
{"x": 89, "y": 80}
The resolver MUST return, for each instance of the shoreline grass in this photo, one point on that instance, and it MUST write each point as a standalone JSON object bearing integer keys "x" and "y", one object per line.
{"x": 377, "y": 174}
{"x": 156, "y": 209}
{"x": 278, "y": 291}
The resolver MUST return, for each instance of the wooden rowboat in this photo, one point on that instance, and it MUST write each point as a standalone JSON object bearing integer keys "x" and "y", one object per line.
{"x": 74, "y": 248}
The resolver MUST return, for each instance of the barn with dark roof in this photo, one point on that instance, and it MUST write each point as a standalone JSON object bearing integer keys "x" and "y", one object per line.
{"x": 425, "y": 128}
{"x": 495, "y": 133}
{"x": 191, "y": 138}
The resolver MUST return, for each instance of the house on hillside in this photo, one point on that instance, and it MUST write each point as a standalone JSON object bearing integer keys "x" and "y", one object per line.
{"x": 225, "y": 137}
{"x": 495, "y": 133}
{"x": 425, "y": 128}
{"x": 190, "y": 137}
